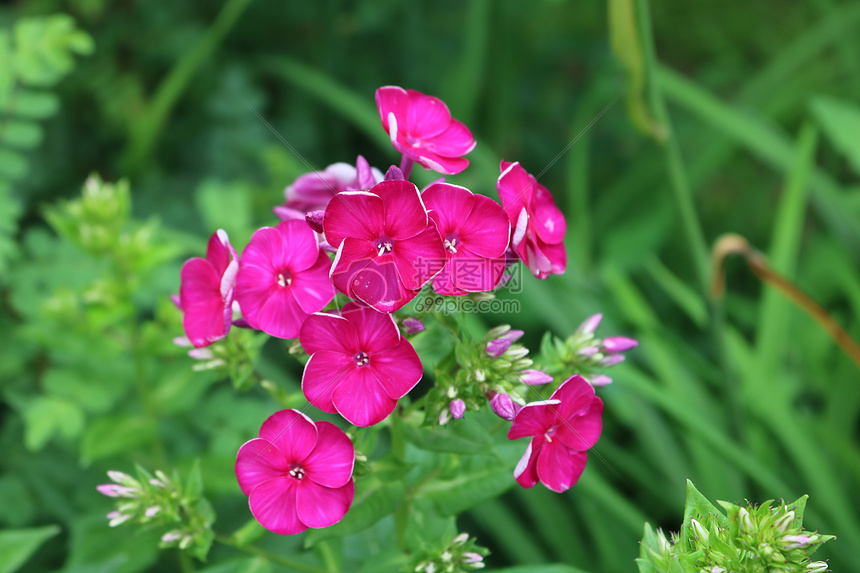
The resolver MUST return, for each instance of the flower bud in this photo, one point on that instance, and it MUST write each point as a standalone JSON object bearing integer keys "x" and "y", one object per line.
{"x": 590, "y": 324}
{"x": 587, "y": 352}
{"x": 535, "y": 377}
{"x": 701, "y": 532}
{"x": 784, "y": 522}
{"x": 122, "y": 478}
{"x": 745, "y": 520}
{"x": 615, "y": 344}
{"x": 171, "y": 536}
{"x": 517, "y": 353}
{"x": 460, "y": 540}
{"x": 472, "y": 557}
{"x": 458, "y": 408}
{"x": 444, "y": 417}
{"x": 412, "y": 325}
{"x": 152, "y": 511}
{"x": 497, "y": 347}
{"x": 598, "y": 380}
{"x": 314, "y": 219}
{"x": 612, "y": 360}
{"x": 817, "y": 567}
{"x": 504, "y": 407}
{"x": 798, "y": 541}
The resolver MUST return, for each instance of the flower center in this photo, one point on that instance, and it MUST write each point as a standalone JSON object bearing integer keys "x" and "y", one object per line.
{"x": 362, "y": 359}
{"x": 384, "y": 245}
{"x": 549, "y": 434}
{"x": 284, "y": 279}
{"x": 451, "y": 242}
{"x": 297, "y": 472}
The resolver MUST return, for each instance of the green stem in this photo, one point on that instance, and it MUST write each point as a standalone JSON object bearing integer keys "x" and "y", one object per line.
{"x": 271, "y": 557}
{"x": 398, "y": 448}
{"x": 695, "y": 237}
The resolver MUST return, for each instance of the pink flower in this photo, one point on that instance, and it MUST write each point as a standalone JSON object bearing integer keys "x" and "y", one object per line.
{"x": 387, "y": 246}
{"x": 312, "y": 191}
{"x": 359, "y": 366}
{"x": 206, "y": 292}
{"x": 538, "y": 225}
{"x": 563, "y": 428}
{"x": 421, "y": 128}
{"x": 475, "y": 232}
{"x": 283, "y": 277}
{"x": 297, "y": 474}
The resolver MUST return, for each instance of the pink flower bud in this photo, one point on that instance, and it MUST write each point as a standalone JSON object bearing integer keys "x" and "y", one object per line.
{"x": 174, "y": 298}
{"x": 612, "y": 360}
{"x": 587, "y": 352}
{"x": 314, "y": 219}
{"x": 394, "y": 174}
{"x": 615, "y": 344}
{"x": 504, "y": 407}
{"x": 472, "y": 557}
{"x": 412, "y": 325}
{"x": 497, "y": 347}
{"x": 458, "y": 408}
{"x": 599, "y": 380}
{"x": 534, "y": 377}
{"x": 590, "y": 324}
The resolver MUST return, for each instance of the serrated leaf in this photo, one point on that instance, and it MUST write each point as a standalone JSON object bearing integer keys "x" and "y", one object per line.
{"x": 18, "y": 545}
{"x": 840, "y": 120}
{"x": 373, "y": 501}
{"x": 115, "y": 434}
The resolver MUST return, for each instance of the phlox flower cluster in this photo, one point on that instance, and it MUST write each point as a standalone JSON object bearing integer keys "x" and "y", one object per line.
{"x": 379, "y": 240}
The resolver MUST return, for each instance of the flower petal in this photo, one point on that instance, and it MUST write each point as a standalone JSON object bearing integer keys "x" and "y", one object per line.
{"x": 331, "y": 461}
{"x": 455, "y": 141}
{"x": 323, "y": 373}
{"x": 419, "y": 258}
{"x": 312, "y": 288}
{"x": 550, "y": 224}
{"x": 357, "y": 214}
{"x": 319, "y": 506}
{"x": 219, "y": 251}
{"x": 281, "y": 316}
{"x": 450, "y": 206}
{"x": 273, "y": 504}
{"x": 514, "y": 186}
{"x": 575, "y": 394}
{"x": 534, "y": 419}
{"x": 360, "y": 273}
{"x": 329, "y": 332}
{"x": 580, "y": 432}
{"x": 405, "y": 214}
{"x": 258, "y": 461}
{"x": 391, "y": 99}
{"x": 361, "y": 399}
{"x": 398, "y": 370}
{"x": 377, "y": 331}
{"x": 558, "y": 468}
{"x": 293, "y": 433}
{"x": 487, "y": 229}
{"x": 427, "y": 116}
{"x": 474, "y": 273}
{"x": 201, "y": 302}
{"x": 526, "y": 471}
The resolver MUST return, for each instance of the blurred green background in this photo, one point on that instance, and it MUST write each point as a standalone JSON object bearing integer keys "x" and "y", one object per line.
{"x": 714, "y": 117}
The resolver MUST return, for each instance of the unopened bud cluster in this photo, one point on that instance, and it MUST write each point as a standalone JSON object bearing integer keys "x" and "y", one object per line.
{"x": 161, "y": 501}
{"x": 461, "y": 556}
{"x": 584, "y": 354}
{"x": 758, "y": 539}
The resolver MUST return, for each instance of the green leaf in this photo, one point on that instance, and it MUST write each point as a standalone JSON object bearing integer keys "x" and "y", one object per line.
{"x": 465, "y": 436}
{"x": 247, "y": 565}
{"x": 12, "y": 164}
{"x": 20, "y": 134}
{"x": 478, "y": 479}
{"x": 7, "y": 75}
{"x": 699, "y": 508}
{"x": 840, "y": 120}
{"x": 373, "y": 501}
{"x": 540, "y": 569}
{"x": 47, "y": 416}
{"x": 110, "y": 436}
{"x": 17, "y": 545}
{"x": 10, "y": 211}
{"x": 31, "y": 104}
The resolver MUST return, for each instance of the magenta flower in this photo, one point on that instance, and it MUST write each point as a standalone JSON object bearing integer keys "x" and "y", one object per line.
{"x": 359, "y": 366}
{"x": 421, "y": 128}
{"x": 206, "y": 292}
{"x": 387, "y": 246}
{"x": 475, "y": 232}
{"x": 312, "y": 191}
{"x": 297, "y": 474}
{"x": 538, "y": 225}
{"x": 283, "y": 277}
{"x": 563, "y": 428}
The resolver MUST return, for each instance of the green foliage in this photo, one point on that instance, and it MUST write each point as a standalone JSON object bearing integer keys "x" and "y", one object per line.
{"x": 17, "y": 545}
{"x": 841, "y": 122}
